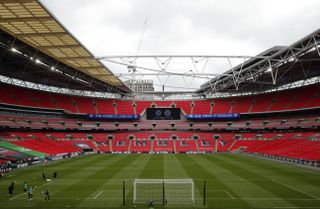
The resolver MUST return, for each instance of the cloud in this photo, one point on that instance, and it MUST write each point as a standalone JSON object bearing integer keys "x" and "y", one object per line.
{"x": 206, "y": 27}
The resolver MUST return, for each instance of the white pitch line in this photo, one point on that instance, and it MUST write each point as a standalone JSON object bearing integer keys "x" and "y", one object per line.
{"x": 98, "y": 195}
{"x": 219, "y": 190}
{"x": 298, "y": 190}
{"x": 295, "y": 207}
{"x": 211, "y": 198}
{"x": 34, "y": 189}
{"x": 228, "y": 194}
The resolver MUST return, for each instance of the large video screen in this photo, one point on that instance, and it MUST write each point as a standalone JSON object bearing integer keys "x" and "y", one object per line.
{"x": 163, "y": 113}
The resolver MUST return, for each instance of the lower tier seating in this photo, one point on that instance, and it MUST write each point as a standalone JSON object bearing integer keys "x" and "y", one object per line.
{"x": 141, "y": 146}
{"x": 184, "y": 146}
{"x": 293, "y": 144}
{"x": 293, "y": 148}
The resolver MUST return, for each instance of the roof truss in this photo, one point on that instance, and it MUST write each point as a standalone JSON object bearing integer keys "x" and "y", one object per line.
{"x": 275, "y": 66}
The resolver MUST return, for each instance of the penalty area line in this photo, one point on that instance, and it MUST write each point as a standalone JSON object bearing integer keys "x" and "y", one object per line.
{"x": 293, "y": 207}
{"x": 232, "y": 197}
{"x": 211, "y": 198}
{"x": 220, "y": 190}
{"x": 95, "y": 197}
{"x": 297, "y": 190}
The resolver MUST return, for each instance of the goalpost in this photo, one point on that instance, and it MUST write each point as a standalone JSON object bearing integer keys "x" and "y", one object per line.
{"x": 163, "y": 191}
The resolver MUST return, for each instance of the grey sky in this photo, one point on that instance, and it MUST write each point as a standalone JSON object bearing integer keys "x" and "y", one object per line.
{"x": 206, "y": 27}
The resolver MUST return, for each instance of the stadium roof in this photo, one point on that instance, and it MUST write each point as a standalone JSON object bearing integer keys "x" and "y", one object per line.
{"x": 273, "y": 68}
{"x": 30, "y": 22}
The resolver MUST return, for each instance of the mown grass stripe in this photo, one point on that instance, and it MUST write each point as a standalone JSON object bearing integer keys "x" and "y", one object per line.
{"x": 278, "y": 177}
{"x": 196, "y": 170}
{"x": 243, "y": 189}
{"x": 272, "y": 187}
{"x": 80, "y": 188}
{"x": 33, "y": 174}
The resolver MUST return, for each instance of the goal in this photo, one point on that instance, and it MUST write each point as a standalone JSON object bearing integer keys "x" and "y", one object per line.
{"x": 163, "y": 191}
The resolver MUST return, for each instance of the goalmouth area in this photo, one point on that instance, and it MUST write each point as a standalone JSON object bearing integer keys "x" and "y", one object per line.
{"x": 165, "y": 191}
{"x": 108, "y": 181}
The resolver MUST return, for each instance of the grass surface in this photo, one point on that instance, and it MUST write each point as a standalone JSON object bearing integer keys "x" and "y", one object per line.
{"x": 233, "y": 181}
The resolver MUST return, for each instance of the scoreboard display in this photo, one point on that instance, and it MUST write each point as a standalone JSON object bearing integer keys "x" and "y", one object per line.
{"x": 163, "y": 113}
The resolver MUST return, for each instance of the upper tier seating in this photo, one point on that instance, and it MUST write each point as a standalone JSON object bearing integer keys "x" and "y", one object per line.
{"x": 221, "y": 105}
{"x": 124, "y": 107}
{"x": 304, "y": 97}
{"x": 242, "y": 104}
{"x": 202, "y": 107}
{"x": 186, "y": 106}
{"x": 84, "y": 105}
{"x": 105, "y": 106}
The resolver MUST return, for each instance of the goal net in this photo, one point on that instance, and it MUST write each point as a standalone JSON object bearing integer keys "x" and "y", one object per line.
{"x": 163, "y": 191}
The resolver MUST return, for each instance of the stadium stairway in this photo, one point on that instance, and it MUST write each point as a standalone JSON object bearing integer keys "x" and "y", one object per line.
{"x": 152, "y": 146}
{"x": 197, "y": 146}
{"x": 230, "y": 147}
{"x": 110, "y": 144}
{"x": 216, "y": 145}
{"x": 129, "y": 146}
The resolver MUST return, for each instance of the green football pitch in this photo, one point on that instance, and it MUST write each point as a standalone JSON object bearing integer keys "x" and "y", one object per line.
{"x": 232, "y": 181}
